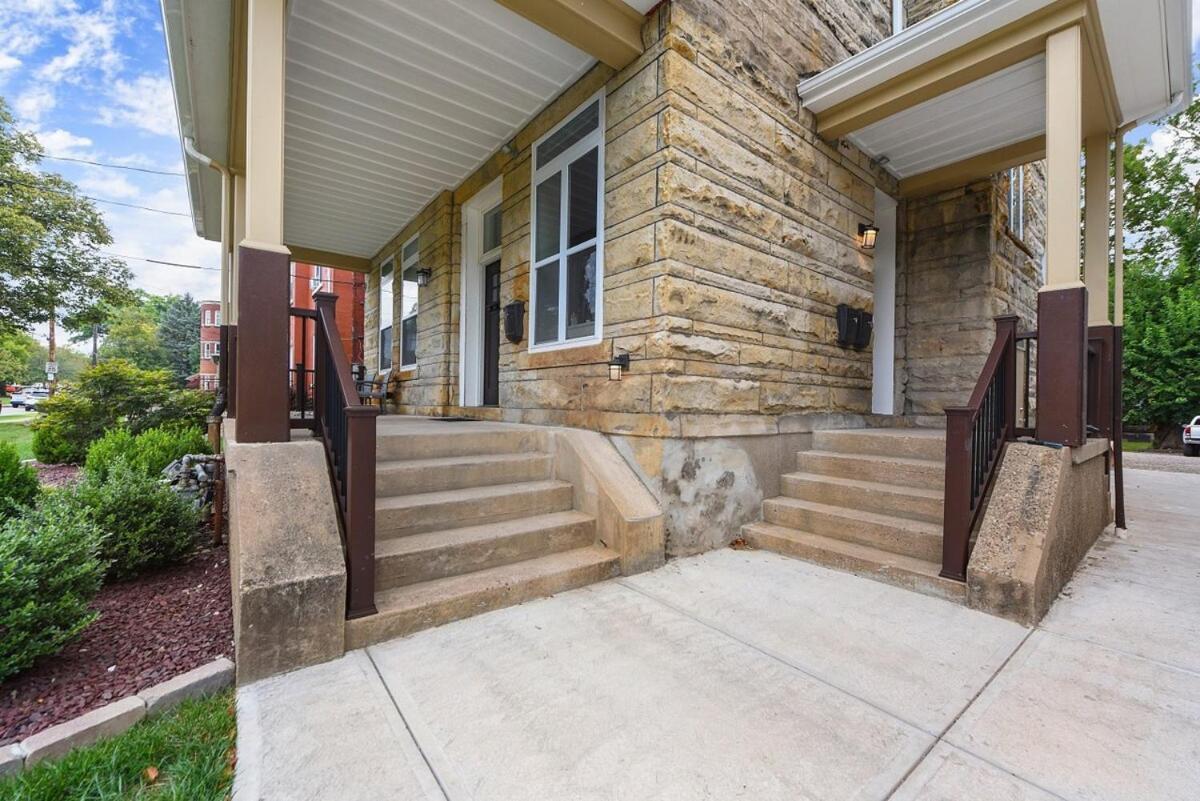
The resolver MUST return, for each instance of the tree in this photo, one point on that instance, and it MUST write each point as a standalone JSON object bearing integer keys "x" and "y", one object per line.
{"x": 1162, "y": 280}
{"x": 133, "y": 336}
{"x": 179, "y": 335}
{"x": 16, "y": 350}
{"x": 50, "y": 240}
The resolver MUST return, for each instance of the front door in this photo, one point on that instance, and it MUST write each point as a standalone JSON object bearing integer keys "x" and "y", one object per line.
{"x": 491, "y": 334}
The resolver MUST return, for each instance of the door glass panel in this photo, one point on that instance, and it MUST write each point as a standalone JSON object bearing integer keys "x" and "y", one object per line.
{"x": 548, "y": 193}
{"x": 581, "y": 293}
{"x": 582, "y": 184}
{"x": 547, "y": 304}
{"x": 491, "y": 229}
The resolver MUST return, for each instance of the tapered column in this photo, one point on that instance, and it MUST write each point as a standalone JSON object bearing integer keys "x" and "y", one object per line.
{"x": 1095, "y": 229}
{"x": 262, "y": 260}
{"x": 1062, "y": 303}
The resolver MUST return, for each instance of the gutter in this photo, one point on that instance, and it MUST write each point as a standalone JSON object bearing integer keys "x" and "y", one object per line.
{"x": 189, "y": 147}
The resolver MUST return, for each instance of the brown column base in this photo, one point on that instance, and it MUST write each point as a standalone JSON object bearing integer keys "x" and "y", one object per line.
{"x": 1062, "y": 366}
{"x": 260, "y": 370}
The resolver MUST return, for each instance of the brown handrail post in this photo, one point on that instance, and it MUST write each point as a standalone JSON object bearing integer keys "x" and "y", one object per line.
{"x": 956, "y": 515}
{"x": 360, "y": 511}
{"x": 1006, "y": 327}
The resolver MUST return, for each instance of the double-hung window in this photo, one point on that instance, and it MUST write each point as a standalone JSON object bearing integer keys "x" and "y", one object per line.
{"x": 410, "y": 262}
{"x": 316, "y": 282}
{"x": 386, "y": 309}
{"x": 1016, "y": 202}
{"x": 566, "y": 285}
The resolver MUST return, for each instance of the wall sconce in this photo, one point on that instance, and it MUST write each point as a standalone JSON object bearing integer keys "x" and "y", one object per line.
{"x": 423, "y": 276}
{"x": 867, "y": 234}
{"x": 617, "y": 365}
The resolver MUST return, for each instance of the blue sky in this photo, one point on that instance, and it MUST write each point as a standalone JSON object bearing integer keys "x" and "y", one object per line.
{"x": 90, "y": 78}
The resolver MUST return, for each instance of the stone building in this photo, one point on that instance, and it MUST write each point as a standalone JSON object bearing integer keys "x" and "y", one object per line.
{"x": 644, "y": 278}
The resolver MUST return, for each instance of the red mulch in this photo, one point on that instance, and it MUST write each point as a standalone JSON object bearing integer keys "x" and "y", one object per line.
{"x": 149, "y": 630}
{"x": 57, "y": 475}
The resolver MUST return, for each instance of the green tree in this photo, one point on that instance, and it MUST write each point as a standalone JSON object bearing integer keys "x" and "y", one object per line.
{"x": 179, "y": 335}
{"x": 50, "y": 240}
{"x": 16, "y": 351}
{"x": 1162, "y": 280}
{"x": 133, "y": 336}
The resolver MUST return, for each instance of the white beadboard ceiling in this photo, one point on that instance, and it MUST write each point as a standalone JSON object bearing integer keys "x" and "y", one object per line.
{"x": 391, "y": 101}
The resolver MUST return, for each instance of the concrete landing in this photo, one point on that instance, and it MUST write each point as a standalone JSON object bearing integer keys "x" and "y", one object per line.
{"x": 743, "y": 674}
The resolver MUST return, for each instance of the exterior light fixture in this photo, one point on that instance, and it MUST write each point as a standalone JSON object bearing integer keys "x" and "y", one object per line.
{"x": 423, "y": 276}
{"x": 617, "y": 365}
{"x": 867, "y": 234}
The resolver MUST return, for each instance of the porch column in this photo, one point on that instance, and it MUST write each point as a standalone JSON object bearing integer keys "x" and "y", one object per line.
{"x": 263, "y": 261}
{"x": 1095, "y": 229}
{"x": 1062, "y": 303}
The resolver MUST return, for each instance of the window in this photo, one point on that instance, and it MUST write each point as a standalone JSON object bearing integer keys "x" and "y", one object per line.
{"x": 316, "y": 282}
{"x": 385, "y": 315}
{"x": 411, "y": 256}
{"x": 217, "y": 317}
{"x": 568, "y": 226}
{"x": 1016, "y": 201}
{"x": 208, "y": 317}
{"x": 210, "y": 350}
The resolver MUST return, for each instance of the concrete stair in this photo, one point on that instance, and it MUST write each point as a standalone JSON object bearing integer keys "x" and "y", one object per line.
{"x": 470, "y": 518}
{"x": 868, "y": 501}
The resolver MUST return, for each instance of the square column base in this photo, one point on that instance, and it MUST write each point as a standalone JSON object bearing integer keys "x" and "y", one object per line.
{"x": 1062, "y": 366}
{"x": 260, "y": 378}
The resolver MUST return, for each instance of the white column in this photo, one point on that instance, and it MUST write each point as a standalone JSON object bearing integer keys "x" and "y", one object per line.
{"x": 1064, "y": 129}
{"x": 1119, "y": 233}
{"x": 883, "y": 349}
{"x": 1095, "y": 232}
{"x": 265, "y": 31}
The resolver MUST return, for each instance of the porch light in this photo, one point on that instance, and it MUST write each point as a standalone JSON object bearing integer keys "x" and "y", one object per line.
{"x": 423, "y": 276}
{"x": 867, "y": 233}
{"x": 617, "y": 365}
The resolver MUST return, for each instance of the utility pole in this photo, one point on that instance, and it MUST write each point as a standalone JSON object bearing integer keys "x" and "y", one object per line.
{"x": 95, "y": 337}
{"x": 52, "y": 353}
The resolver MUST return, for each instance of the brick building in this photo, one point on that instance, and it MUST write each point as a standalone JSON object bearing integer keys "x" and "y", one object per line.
{"x": 210, "y": 344}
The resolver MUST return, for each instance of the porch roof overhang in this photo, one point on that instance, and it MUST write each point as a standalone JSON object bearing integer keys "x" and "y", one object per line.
{"x": 962, "y": 94}
{"x": 387, "y": 102}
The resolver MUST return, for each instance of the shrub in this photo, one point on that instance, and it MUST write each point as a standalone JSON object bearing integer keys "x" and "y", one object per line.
{"x": 111, "y": 394}
{"x": 49, "y": 572}
{"x": 19, "y": 484}
{"x": 145, "y": 524}
{"x": 148, "y": 452}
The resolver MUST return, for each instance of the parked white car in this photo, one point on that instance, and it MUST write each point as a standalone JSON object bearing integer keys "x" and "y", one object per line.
{"x": 18, "y": 399}
{"x": 34, "y": 396}
{"x": 1191, "y": 437}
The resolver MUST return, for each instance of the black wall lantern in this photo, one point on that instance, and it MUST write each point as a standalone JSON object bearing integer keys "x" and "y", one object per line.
{"x": 617, "y": 365}
{"x": 423, "y": 276}
{"x": 867, "y": 234}
{"x": 853, "y": 327}
{"x": 514, "y": 321}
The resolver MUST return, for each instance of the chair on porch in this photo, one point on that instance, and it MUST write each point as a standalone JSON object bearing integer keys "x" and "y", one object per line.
{"x": 374, "y": 389}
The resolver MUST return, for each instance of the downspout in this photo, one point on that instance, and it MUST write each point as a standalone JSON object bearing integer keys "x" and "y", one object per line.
{"x": 189, "y": 147}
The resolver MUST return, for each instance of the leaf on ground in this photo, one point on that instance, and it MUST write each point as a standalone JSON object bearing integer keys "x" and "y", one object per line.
{"x": 150, "y": 774}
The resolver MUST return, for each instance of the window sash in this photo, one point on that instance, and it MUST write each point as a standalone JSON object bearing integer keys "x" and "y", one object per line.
{"x": 560, "y": 164}
{"x": 387, "y": 275}
{"x": 411, "y": 253}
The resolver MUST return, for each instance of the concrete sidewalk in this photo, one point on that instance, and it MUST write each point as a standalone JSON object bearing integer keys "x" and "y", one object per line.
{"x": 742, "y": 674}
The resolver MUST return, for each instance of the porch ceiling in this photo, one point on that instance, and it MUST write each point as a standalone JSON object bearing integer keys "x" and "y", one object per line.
{"x": 963, "y": 93}
{"x": 389, "y": 102}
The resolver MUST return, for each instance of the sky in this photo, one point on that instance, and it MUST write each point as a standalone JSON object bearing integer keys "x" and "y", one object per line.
{"x": 90, "y": 79}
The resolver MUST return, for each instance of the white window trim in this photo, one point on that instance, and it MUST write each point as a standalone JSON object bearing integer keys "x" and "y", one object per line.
{"x": 470, "y": 327}
{"x": 411, "y": 261}
{"x": 560, "y": 164}
{"x": 316, "y": 282}
{"x": 391, "y": 316}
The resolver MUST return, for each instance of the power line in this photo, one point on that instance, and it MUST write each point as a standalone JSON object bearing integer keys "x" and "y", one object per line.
{"x": 116, "y": 166}
{"x": 211, "y": 269}
{"x": 14, "y": 182}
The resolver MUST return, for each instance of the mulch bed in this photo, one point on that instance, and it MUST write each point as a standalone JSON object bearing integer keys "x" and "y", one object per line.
{"x": 56, "y": 475}
{"x": 149, "y": 630}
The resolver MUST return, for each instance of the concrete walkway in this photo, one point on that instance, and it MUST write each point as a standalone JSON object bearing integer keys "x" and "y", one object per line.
{"x": 746, "y": 675}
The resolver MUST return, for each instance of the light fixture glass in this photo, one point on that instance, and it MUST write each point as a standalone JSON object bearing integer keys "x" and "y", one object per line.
{"x": 867, "y": 234}
{"x": 618, "y": 364}
{"x": 423, "y": 277}
{"x": 614, "y": 372}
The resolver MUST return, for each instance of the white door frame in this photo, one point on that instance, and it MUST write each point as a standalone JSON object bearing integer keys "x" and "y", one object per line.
{"x": 883, "y": 351}
{"x": 470, "y": 318}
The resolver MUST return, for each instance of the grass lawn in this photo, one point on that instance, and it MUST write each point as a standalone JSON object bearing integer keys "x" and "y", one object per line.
{"x": 1130, "y": 446}
{"x": 184, "y": 755}
{"x": 16, "y": 431}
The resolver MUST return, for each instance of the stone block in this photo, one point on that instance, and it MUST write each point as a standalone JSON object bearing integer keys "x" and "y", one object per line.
{"x": 12, "y": 759}
{"x": 84, "y": 730}
{"x": 684, "y": 393}
{"x": 204, "y": 680}
{"x": 677, "y": 345}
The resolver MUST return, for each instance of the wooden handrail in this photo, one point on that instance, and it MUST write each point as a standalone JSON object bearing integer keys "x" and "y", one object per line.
{"x": 328, "y": 322}
{"x": 975, "y": 436}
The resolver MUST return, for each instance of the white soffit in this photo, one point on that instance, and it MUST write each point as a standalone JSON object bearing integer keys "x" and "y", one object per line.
{"x": 390, "y": 102}
{"x": 1002, "y": 109}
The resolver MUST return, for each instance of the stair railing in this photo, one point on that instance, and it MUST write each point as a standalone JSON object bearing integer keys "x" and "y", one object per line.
{"x": 975, "y": 437}
{"x": 347, "y": 428}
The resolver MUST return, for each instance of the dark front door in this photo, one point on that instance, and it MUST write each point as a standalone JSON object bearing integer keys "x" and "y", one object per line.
{"x": 491, "y": 334}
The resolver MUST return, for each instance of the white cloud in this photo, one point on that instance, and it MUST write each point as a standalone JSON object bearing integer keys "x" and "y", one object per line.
{"x": 101, "y": 184}
{"x": 146, "y": 102}
{"x": 8, "y": 62}
{"x": 34, "y": 103}
{"x": 64, "y": 143}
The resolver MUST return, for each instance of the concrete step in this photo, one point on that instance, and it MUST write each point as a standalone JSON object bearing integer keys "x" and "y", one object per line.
{"x": 896, "y": 535}
{"x": 903, "y": 571}
{"x": 911, "y": 443}
{"x": 404, "y": 610}
{"x": 438, "y": 554}
{"x": 907, "y": 472}
{"x": 403, "y": 515}
{"x": 914, "y": 503}
{"x": 435, "y": 440}
{"x": 415, "y": 476}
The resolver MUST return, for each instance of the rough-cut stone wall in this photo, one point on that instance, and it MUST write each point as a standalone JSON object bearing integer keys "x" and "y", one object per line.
{"x": 917, "y": 10}
{"x": 960, "y": 267}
